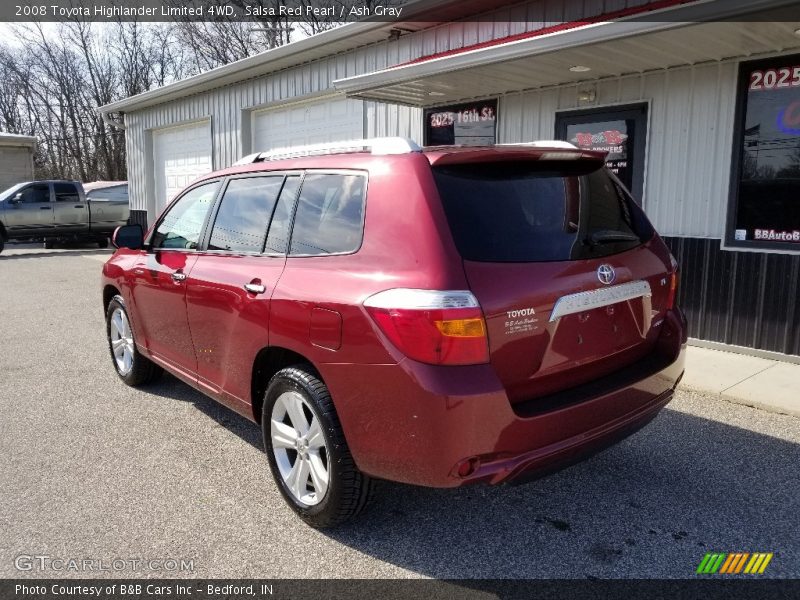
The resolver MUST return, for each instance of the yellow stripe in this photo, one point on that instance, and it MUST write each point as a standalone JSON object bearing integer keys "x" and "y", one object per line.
{"x": 754, "y": 568}
{"x": 752, "y": 563}
{"x": 728, "y": 561}
{"x": 765, "y": 563}
{"x": 741, "y": 563}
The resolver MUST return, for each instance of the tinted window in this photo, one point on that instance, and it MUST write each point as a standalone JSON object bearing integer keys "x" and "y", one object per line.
{"x": 181, "y": 226}
{"x": 768, "y": 186}
{"x": 241, "y": 222}
{"x": 278, "y": 238}
{"x": 66, "y": 192}
{"x": 515, "y": 212}
{"x": 35, "y": 193}
{"x": 330, "y": 215}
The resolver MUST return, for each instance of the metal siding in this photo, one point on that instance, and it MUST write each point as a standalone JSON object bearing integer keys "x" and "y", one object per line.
{"x": 689, "y": 140}
{"x": 224, "y": 105}
{"x": 741, "y": 298}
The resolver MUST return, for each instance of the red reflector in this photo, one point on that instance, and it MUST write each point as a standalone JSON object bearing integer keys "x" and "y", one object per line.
{"x": 468, "y": 466}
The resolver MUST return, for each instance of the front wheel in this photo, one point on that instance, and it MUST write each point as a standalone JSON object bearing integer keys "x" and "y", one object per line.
{"x": 307, "y": 450}
{"x": 131, "y": 366}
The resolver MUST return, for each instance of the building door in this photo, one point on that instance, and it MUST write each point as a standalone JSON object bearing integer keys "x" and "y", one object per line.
{"x": 621, "y": 131}
{"x": 332, "y": 120}
{"x": 181, "y": 155}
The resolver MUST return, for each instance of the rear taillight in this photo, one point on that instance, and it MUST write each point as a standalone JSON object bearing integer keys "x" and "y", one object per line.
{"x": 434, "y": 327}
{"x": 672, "y": 296}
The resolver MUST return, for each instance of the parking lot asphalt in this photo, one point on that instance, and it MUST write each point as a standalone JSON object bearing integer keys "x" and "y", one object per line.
{"x": 90, "y": 468}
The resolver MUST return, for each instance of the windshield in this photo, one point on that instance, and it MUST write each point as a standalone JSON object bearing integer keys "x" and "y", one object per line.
{"x": 519, "y": 212}
{"x": 10, "y": 191}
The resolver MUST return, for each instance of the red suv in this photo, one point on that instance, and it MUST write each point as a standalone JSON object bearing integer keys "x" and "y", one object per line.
{"x": 438, "y": 316}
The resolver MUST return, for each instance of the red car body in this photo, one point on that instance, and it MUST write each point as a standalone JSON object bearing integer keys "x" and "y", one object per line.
{"x": 549, "y": 391}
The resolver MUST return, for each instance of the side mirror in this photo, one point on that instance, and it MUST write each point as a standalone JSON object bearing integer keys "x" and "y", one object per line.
{"x": 128, "y": 236}
{"x": 16, "y": 198}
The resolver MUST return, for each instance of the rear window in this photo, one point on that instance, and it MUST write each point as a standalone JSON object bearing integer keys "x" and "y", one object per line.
{"x": 518, "y": 212}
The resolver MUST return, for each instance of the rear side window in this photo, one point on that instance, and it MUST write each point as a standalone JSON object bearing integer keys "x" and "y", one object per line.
{"x": 518, "y": 212}
{"x": 66, "y": 192}
{"x": 244, "y": 213}
{"x": 330, "y": 215}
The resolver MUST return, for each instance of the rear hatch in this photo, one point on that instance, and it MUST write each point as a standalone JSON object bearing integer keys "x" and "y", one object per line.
{"x": 571, "y": 277}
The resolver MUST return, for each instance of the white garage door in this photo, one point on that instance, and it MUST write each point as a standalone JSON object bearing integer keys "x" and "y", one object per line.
{"x": 16, "y": 166}
{"x": 181, "y": 155}
{"x": 308, "y": 123}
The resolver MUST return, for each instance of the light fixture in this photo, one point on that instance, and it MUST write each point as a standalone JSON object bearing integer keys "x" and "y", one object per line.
{"x": 435, "y": 93}
{"x": 587, "y": 95}
{"x": 580, "y": 69}
{"x": 797, "y": 32}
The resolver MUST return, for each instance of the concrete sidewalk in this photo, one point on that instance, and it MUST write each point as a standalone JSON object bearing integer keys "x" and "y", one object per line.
{"x": 759, "y": 382}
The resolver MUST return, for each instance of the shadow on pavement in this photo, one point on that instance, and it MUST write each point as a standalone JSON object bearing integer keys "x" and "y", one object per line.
{"x": 650, "y": 507}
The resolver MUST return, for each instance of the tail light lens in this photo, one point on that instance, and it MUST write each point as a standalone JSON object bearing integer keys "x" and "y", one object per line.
{"x": 434, "y": 327}
{"x": 672, "y": 296}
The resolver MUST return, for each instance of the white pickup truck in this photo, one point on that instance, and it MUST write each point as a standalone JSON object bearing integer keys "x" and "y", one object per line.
{"x": 58, "y": 210}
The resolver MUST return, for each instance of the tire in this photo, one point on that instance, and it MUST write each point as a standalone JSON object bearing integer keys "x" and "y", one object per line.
{"x": 131, "y": 366}
{"x": 2, "y": 242}
{"x": 348, "y": 490}
{"x": 49, "y": 244}
{"x": 102, "y": 243}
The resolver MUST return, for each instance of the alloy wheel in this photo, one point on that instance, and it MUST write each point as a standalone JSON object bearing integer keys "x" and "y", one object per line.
{"x": 121, "y": 341}
{"x": 299, "y": 447}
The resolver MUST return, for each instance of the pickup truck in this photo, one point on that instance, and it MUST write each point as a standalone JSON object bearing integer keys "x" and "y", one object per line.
{"x": 58, "y": 210}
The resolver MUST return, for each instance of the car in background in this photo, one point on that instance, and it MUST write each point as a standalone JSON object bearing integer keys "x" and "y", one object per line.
{"x": 438, "y": 317}
{"x": 59, "y": 210}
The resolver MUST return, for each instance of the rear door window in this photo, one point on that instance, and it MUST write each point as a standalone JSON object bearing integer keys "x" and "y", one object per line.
{"x": 281, "y": 224}
{"x": 330, "y": 215}
{"x": 524, "y": 212}
{"x": 66, "y": 192}
{"x": 244, "y": 214}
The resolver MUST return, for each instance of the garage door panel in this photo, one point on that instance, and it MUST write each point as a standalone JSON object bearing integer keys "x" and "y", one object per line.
{"x": 181, "y": 155}
{"x": 308, "y": 123}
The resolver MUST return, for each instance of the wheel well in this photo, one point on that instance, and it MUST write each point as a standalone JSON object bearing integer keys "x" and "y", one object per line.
{"x": 108, "y": 294}
{"x": 268, "y": 362}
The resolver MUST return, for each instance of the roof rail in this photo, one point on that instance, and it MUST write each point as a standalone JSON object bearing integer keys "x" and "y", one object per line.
{"x": 377, "y": 146}
{"x": 544, "y": 144}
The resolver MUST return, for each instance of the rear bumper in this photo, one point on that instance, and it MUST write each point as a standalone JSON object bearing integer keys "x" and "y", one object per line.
{"x": 419, "y": 424}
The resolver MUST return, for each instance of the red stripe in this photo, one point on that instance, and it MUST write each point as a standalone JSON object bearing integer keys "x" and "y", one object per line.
{"x": 619, "y": 14}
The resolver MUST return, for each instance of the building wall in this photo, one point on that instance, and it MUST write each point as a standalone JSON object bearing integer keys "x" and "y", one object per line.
{"x": 689, "y": 140}
{"x": 16, "y": 165}
{"x": 229, "y": 107}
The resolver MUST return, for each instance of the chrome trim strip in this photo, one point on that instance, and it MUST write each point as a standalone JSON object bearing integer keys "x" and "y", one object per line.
{"x": 583, "y": 301}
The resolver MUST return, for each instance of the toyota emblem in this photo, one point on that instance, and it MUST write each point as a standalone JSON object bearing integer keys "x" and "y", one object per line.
{"x": 606, "y": 274}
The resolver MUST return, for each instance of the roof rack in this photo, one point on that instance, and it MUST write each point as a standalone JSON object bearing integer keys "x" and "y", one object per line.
{"x": 377, "y": 146}
{"x": 544, "y": 144}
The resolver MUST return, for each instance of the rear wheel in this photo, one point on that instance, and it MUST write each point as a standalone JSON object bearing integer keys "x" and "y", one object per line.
{"x": 131, "y": 366}
{"x": 2, "y": 243}
{"x": 307, "y": 450}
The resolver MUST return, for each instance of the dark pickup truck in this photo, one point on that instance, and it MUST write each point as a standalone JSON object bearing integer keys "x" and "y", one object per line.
{"x": 58, "y": 210}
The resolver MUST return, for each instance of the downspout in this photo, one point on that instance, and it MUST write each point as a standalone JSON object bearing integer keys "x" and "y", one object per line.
{"x": 111, "y": 122}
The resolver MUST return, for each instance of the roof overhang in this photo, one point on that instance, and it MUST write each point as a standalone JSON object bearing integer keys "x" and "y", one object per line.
{"x": 684, "y": 34}
{"x": 13, "y": 139}
{"x": 328, "y": 43}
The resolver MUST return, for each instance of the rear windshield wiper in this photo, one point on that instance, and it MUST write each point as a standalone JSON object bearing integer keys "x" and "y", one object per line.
{"x": 609, "y": 236}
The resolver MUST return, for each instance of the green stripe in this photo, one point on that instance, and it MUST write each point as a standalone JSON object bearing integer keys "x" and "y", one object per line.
{"x": 718, "y": 563}
{"x": 701, "y": 568}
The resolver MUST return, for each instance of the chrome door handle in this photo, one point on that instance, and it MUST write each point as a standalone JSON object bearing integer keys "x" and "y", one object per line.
{"x": 177, "y": 276}
{"x": 255, "y": 288}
